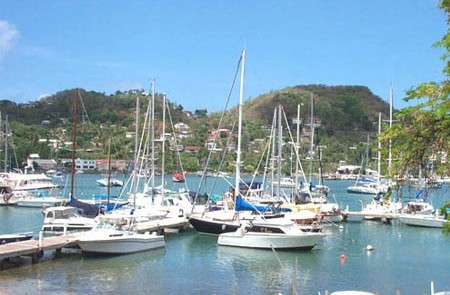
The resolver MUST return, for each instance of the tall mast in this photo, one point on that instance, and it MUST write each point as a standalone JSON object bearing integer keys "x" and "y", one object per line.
{"x": 74, "y": 140}
{"x": 391, "y": 98}
{"x": 312, "y": 138}
{"x": 297, "y": 147}
{"x": 379, "y": 148}
{"x": 136, "y": 145}
{"x": 238, "y": 152}
{"x": 163, "y": 149}
{"x": 280, "y": 130}
{"x": 109, "y": 168}
{"x": 152, "y": 138}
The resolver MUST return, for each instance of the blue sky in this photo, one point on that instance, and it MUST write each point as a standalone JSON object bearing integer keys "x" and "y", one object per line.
{"x": 191, "y": 48}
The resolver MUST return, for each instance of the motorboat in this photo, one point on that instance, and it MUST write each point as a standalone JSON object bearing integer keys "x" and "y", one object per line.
{"x": 377, "y": 209}
{"x": 28, "y": 181}
{"x": 37, "y": 199}
{"x": 65, "y": 219}
{"x": 178, "y": 177}
{"x": 112, "y": 182}
{"x": 424, "y": 220}
{"x": 277, "y": 233}
{"x": 111, "y": 241}
{"x": 11, "y": 238}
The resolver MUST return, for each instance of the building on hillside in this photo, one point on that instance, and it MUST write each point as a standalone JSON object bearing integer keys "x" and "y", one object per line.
{"x": 192, "y": 149}
{"x": 85, "y": 165}
{"x": 182, "y": 127}
{"x": 34, "y": 160}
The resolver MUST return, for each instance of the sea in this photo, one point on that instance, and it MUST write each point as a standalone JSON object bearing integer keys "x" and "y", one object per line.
{"x": 404, "y": 259}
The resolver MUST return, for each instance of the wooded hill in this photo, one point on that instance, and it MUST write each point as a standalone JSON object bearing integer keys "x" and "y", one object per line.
{"x": 347, "y": 115}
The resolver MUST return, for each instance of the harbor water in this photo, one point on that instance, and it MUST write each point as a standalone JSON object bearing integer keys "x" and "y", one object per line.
{"x": 404, "y": 259}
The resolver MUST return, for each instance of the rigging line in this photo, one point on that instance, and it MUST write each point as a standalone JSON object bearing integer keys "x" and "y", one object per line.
{"x": 266, "y": 148}
{"x": 223, "y": 159}
{"x": 218, "y": 128}
{"x": 296, "y": 151}
{"x": 176, "y": 144}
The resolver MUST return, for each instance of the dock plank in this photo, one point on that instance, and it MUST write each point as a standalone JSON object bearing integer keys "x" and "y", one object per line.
{"x": 31, "y": 247}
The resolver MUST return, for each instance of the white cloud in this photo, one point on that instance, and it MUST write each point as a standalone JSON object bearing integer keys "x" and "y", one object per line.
{"x": 8, "y": 35}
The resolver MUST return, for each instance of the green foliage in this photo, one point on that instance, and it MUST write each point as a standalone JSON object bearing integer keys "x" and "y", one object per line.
{"x": 420, "y": 138}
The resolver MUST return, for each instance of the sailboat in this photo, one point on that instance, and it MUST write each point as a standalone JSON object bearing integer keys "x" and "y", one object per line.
{"x": 114, "y": 236}
{"x": 88, "y": 208}
{"x": 227, "y": 219}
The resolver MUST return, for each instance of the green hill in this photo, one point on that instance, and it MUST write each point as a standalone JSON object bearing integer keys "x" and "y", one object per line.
{"x": 347, "y": 114}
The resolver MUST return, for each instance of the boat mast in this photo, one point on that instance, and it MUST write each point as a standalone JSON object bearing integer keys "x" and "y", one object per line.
{"x": 391, "y": 98}
{"x": 136, "y": 144}
{"x": 280, "y": 130}
{"x": 238, "y": 152}
{"x": 379, "y": 148}
{"x": 152, "y": 138}
{"x": 163, "y": 148}
{"x": 297, "y": 147}
{"x": 312, "y": 138}
{"x": 74, "y": 140}
{"x": 109, "y": 168}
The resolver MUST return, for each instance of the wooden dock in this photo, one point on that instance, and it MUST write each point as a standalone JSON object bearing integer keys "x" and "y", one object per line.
{"x": 35, "y": 248}
{"x": 384, "y": 217}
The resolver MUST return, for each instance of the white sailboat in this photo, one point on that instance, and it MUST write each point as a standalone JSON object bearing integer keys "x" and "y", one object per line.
{"x": 227, "y": 219}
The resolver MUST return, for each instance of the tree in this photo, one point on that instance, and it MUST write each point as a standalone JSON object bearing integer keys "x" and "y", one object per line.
{"x": 421, "y": 138}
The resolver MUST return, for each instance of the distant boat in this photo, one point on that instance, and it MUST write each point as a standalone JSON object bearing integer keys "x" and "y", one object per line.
{"x": 112, "y": 182}
{"x": 178, "y": 177}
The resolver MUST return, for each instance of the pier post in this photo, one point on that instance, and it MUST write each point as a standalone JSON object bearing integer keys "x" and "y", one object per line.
{"x": 41, "y": 236}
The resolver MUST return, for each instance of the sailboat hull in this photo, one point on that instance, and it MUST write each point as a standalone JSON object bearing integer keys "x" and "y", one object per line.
{"x": 210, "y": 226}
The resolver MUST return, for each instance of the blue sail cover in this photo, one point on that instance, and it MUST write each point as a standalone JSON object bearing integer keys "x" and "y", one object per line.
{"x": 91, "y": 210}
{"x": 243, "y": 205}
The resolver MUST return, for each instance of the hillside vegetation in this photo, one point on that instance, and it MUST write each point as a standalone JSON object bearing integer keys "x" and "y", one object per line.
{"x": 348, "y": 114}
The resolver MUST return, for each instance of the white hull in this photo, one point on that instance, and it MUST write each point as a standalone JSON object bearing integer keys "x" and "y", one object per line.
{"x": 269, "y": 240}
{"x": 107, "y": 242}
{"x": 423, "y": 220}
{"x": 40, "y": 202}
{"x": 112, "y": 182}
{"x": 358, "y": 189}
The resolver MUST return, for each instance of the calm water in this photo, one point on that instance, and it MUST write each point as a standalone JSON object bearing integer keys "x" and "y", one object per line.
{"x": 404, "y": 258}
